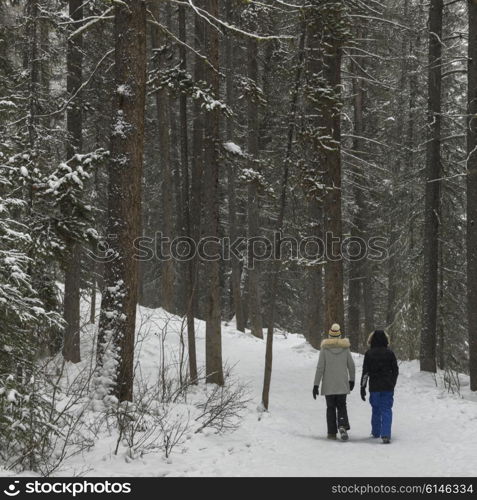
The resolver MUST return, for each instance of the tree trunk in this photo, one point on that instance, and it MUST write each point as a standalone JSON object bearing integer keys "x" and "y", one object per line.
{"x": 32, "y": 62}
{"x": 235, "y": 280}
{"x": 159, "y": 46}
{"x": 441, "y": 335}
{"x": 197, "y": 164}
{"x": 184, "y": 158}
{"x": 314, "y": 286}
{"x": 235, "y": 263}
{"x": 330, "y": 160}
{"x": 472, "y": 196}
{"x": 368, "y": 300}
{"x": 118, "y": 308}
{"x": 213, "y": 334}
{"x": 45, "y": 64}
{"x": 355, "y": 286}
{"x": 267, "y": 378}
{"x": 254, "y": 302}
{"x": 398, "y": 163}
{"x": 432, "y": 204}
{"x": 195, "y": 196}
{"x": 95, "y": 266}
{"x": 92, "y": 310}
{"x": 74, "y": 126}
{"x": 186, "y": 214}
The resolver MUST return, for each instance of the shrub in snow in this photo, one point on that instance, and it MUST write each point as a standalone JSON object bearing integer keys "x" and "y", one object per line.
{"x": 28, "y": 423}
{"x": 223, "y": 405}
{"x": 168, "y": 409}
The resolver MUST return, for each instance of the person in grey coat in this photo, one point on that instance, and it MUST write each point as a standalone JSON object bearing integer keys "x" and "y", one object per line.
{"x": 336, "y": 374}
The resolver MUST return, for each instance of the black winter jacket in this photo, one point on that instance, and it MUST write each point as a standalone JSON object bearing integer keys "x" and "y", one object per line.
{"x": 381, "y": 368}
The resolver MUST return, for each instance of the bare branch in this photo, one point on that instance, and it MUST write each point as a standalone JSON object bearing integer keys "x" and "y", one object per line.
{"x": 383, "y": 20}
{"x": 92, "y": 22}
{"x": 169, "y": 33}
{"x": 215, "y": 23}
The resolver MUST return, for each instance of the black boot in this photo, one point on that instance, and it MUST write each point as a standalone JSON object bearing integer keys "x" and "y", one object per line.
{"x": 343, "y": 434}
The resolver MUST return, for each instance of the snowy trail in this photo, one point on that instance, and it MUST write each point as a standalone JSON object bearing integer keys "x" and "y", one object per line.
{"x": 434, "y": 433}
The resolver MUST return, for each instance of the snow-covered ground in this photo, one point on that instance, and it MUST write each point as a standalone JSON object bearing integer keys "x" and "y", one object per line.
{"x": 434, "y": 433}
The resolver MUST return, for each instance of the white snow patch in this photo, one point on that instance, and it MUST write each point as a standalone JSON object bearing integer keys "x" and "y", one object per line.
{"x": 290, "y": 439}
{"x": 233, "y": 148}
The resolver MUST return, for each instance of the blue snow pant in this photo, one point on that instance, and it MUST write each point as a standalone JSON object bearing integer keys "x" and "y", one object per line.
{"x": 382, "y": 417}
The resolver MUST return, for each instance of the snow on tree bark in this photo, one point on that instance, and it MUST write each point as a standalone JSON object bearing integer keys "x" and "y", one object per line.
{"x": 118, "y": 307}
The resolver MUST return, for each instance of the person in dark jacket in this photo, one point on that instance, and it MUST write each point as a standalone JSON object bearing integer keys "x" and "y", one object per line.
{"x": 381, "y": 369}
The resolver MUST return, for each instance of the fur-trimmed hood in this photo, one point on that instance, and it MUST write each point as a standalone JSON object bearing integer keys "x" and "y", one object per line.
{"x": 384, "y": 338}
{"x": 329, "y": 343}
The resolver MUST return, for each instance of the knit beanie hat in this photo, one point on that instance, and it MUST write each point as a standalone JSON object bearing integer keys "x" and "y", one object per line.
{"x": 335, "y": 330}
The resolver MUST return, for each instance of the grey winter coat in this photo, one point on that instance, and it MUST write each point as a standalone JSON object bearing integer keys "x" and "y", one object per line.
{"x": 335, "y": 367}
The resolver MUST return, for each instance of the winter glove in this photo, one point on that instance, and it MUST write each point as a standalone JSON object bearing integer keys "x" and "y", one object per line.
{"x": 351, "y": 385}
{"x": 363, "y": 393}
{"x": 315, "y": 391}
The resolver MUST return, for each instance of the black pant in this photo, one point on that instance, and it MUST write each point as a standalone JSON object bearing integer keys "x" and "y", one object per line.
{"x": 336, "y": 413}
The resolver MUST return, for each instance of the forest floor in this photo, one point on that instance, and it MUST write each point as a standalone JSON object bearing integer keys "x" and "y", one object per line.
{"x": 434, "y": 432}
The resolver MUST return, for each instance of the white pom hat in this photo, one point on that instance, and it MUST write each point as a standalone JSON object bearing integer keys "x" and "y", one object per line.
{"x": 335, "y": 330}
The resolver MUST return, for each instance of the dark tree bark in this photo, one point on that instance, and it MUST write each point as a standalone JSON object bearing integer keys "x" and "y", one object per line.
{"x": 118, "y": 307}
{"x": 92, "y": 310}
{"x": 355, "y": 286}
{"x": 472, "y": 196}
{"x": 4, "y": 60}
{"x": 432, "y": 206}
{"x": 96, "y": 268}
{"x": 195, "y": 196}
{"x": 71, "y": 340}
{"x": 235, "y": 280}
{"x": 186, "y": 213}
{"x": 441, "y": 327}
{"x": 197, "y": 162}
{"x": 45, "y": 63}
{"x": 213, "y": 334}
{"x": 330, "y": 160}
{"x": 314, "y": 286}
{"x": 398, "y": 163}
{"x": 368, "y": 301}
{"x": 74, "y": 127}
{"x": 160, "y": 47}
{"x": 253, "y": 212}
{"x": 314, "y": 322}
{"x": 32, "y": 61}
{"x": 361, "y": 270}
